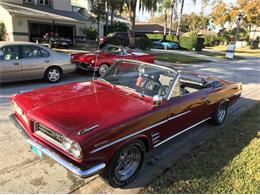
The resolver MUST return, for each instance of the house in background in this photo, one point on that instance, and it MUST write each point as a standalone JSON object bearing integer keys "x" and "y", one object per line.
{"x": 25, "y": 20}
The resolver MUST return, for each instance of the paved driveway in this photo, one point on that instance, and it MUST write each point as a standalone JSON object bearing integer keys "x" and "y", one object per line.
{"x": 22, "y": 172}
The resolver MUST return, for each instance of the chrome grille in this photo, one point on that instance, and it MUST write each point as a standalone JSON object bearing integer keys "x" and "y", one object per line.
{"x": 48, "y": 133}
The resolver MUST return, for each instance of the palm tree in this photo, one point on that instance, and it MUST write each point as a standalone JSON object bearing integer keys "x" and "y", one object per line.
{"x": 148, "y": 5}
{"x": 166, "y": 4}
{"x": 179, "y": 20}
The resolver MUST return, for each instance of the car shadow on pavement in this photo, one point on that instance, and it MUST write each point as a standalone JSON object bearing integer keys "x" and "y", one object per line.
{"x": 186, "y": 146}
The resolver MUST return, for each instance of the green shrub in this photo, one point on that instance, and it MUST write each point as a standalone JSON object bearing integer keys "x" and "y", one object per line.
{"x": 188, "y": 42}
{"x": 117, "y": 41}
{"x": 118, "y": 27}
{"x": 143, "y": 43}
{"x": 2, "y": 31}
{"x": 210, "y": 40}
{"x": 90, "y": 32}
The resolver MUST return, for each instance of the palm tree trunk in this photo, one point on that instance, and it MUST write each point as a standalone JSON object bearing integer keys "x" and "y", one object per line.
{"x": 132, "y": 15}
{"x": 179, "y": 21}
{"x": 106, "y": 32}
{"x": 165, "y": 24}
{"x": 171, "y": 18}
{"x": 112, "y": 17}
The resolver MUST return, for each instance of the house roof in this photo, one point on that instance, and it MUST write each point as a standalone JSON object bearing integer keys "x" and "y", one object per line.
{"x": 43, "y": 12}
{"x": 151, "y": 28}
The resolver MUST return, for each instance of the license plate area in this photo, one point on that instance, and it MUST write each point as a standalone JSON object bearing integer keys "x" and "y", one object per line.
{"x": 37, "y": 151}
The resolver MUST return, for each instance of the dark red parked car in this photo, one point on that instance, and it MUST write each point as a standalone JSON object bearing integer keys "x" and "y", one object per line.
{"x": 106, "y": 125}
{"x": 101, "y": 60}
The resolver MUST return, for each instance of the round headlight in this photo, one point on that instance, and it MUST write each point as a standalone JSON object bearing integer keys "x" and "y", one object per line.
{"x": 75, "y": 150}
{"x": 67, "y": 143}
{"x": 72, "y": 147}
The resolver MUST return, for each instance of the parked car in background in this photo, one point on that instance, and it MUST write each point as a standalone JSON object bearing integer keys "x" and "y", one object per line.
{"x": 53, "y": 40}
{"x": 25, "y": 61}
{"x": 121, "y": 38}
{"x": 101, "y": 60}
{"x": 106, "y": 125}
{"x": 161, "y": 44}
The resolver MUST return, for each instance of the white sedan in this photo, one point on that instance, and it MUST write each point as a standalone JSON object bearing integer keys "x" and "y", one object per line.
{"x": 25, "y": 61}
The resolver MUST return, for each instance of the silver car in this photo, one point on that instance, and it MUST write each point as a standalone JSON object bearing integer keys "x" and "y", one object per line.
{"x": 25, "y": 61}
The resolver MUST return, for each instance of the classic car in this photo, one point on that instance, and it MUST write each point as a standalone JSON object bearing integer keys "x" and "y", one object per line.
{"x": 161, "y": 44}
{"x": 26, "y": 61}
{"x": 106, "y": 125}
{"x": 101, "y": 60}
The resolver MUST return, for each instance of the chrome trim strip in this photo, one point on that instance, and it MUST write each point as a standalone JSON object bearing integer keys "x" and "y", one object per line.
{"x": 181, "y": 132}
{"x": 83, "y": 131}
{"x": 136, "y": 133}
{"x": 176, "y": 116}
{"x": 60, "y": 160}
{"x": 155, "y": 134}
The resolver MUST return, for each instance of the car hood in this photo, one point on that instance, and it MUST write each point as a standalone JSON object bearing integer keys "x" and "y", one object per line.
{"x": 73, "y": 107}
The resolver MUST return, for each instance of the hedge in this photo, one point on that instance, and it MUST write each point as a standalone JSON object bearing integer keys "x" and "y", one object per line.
{"x": 2, "y": 31}
{"x": 143, "y": 43}
{"x": 186, "y": 42}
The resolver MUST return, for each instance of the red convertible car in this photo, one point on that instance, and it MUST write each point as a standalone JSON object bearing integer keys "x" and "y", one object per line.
{"x": 106, "y": 125}
{"x": 101, "y": 60}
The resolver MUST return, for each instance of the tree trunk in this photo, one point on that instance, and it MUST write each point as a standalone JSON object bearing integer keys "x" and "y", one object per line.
{"x": 132, "y": 15}
{"x": 106, "y": 32}
{"x": 179, "y": 21}
{"x": 165, "y": 24}
{"x": 171, "y": 18}
{"x": 112, "y": 17}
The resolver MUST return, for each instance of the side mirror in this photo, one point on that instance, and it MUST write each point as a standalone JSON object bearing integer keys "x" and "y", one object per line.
{"x": 157, "y": 100}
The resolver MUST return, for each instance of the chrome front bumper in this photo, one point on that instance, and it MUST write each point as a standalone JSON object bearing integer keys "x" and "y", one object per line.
{"x": 82, "y": 173}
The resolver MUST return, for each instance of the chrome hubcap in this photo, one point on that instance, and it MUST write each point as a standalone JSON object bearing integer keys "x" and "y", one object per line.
{"x": 128, "y": 162}
{"x": 53, "y": 75}
{"x": 221, "y": 113}
{"x": 103, "y": 69}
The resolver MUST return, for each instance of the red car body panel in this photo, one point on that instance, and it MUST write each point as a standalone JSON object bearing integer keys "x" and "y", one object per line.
{"x": 121, "y": 116}
{"x": 95, "y": 59}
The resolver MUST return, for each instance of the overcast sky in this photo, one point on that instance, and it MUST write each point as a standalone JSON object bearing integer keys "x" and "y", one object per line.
{"x": 189, "y": 7}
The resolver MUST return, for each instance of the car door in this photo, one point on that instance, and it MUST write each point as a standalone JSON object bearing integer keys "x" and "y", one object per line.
{"x": 185, "y": 110}
{"x": 33, "y": 62}
{"x": 10, "y": 64}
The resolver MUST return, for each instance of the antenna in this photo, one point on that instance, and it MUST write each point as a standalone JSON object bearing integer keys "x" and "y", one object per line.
{"x": 94, "y": 73}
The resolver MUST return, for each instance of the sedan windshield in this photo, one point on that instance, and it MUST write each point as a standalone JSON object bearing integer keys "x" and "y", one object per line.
{"x": 146, "y": 79}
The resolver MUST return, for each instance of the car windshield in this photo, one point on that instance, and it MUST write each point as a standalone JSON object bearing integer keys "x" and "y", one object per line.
{"x": 117, "y": 50}
{"x": 146, "y": 79}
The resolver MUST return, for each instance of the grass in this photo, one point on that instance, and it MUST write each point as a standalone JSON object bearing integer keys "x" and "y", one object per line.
{"x": 246, "y": 51}
{"x": 178, "y": 58}
{"x": 217, "y": 55}
{"x": 227, "y": 163}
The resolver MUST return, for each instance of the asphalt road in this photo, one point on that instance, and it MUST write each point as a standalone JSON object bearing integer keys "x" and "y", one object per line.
{"x": 23, "y": 172}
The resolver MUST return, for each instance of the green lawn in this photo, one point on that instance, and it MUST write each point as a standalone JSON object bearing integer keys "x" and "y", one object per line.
{"x": 227, "y": 163}
{"x": 178, "y": 58}
{"x": 217, "y": 55}
{"x": 246, "y": 51}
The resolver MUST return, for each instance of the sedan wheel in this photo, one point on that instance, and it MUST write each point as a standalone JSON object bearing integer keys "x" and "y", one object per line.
{"x": 125, "y": 164}
{"x": 53, "y": 74}
{"x": 103, "y": 69}
{"x": 219, "y": 116}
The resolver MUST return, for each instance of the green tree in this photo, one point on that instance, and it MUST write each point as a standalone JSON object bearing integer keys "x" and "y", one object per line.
{"x": 2, "y": 31}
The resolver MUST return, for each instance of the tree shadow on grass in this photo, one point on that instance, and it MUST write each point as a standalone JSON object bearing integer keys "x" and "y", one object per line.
{"x": 216, "y": 147}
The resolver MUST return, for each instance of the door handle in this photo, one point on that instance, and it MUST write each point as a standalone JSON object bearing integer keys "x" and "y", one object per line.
{"x": 46, "y": 61}
{"x": 16, "y": 63}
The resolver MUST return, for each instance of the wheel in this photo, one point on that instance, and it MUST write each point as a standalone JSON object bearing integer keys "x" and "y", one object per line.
{"x": 53, "y": 74}
{"x": 102, "y": 69}
{"x": 220, "y": 115}
{"x": 125, "y": 164}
